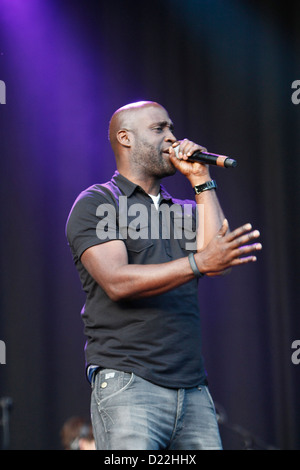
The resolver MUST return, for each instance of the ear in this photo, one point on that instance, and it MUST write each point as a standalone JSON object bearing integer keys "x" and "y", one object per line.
{"x": 124, "y": 138}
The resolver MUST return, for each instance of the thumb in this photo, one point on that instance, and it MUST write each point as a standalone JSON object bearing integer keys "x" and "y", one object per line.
{"x": 223, "y": 228}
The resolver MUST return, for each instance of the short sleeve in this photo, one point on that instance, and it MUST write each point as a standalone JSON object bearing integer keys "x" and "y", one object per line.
{"x": 93, "y": 220}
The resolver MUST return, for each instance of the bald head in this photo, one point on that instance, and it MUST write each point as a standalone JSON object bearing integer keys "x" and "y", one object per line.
{"x": 140, "y": 135}
{"x": 126, "y": 118}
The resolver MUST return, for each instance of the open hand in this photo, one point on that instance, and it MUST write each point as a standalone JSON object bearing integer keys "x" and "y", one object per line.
{"x": 230, "y": 249}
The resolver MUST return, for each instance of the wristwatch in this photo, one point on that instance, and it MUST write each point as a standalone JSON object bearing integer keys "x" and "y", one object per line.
{"x": 199, "y": 188}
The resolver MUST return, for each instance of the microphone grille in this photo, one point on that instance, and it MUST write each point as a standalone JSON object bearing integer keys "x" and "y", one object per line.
{"x": 176, "y": 150}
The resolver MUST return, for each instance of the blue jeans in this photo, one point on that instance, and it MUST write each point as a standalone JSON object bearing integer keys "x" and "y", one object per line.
{"x": 130, "y": 413}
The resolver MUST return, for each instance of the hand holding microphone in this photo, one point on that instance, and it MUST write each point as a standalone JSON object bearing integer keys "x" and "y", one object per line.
{"x": 202, "y": 156}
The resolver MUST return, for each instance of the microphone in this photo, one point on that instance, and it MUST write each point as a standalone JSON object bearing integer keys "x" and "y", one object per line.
{"x": 210, "y": 158}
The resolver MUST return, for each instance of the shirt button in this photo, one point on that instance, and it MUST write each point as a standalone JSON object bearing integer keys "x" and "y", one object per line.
{"x": 104, "y": 385}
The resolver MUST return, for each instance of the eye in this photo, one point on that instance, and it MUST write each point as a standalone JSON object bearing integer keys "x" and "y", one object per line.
{"x": 158, "y": 129}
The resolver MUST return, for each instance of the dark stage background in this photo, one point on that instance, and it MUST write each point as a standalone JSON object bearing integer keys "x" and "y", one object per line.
{"x": 224, "y": 71}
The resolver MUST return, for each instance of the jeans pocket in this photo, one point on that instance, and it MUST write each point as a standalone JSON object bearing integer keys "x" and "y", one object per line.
{"x": 109, "y": 383}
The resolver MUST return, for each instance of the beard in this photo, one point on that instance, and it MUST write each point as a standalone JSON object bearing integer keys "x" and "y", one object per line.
{"x": 151, "y": 160}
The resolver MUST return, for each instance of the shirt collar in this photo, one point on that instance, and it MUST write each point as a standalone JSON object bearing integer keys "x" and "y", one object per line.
{"x": 128, "y": 187}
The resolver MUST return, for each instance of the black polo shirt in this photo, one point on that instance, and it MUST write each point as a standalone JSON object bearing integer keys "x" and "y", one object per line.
{"x": 158, "y": 337}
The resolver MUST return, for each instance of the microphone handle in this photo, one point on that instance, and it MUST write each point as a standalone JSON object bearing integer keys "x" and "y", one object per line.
{"x": 213, "y": 159}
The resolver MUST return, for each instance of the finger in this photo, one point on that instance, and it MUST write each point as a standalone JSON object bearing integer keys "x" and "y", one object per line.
{"x": 245, "y": 260}
{"x": 194, "y": 148}
{"x": 175, "y": 144}
{"x": 187, "y": 148}
{"x": 238, "y": 232}
{"x": 244, "y": 250}
{"x": 176, "y": 161}
{"x": 244, "y": 239}
{"x": 175, "y": 151}
{"x": 174, "y": 155}
{"x": 185, "y": 144}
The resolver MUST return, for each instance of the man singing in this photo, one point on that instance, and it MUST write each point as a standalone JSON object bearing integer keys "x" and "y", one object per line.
{"x": 131, "y": 242}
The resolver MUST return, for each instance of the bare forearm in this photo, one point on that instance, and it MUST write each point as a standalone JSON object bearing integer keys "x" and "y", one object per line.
{"x": 210, "y": 214}
{"x": 137, "y": 281}
{"x": 108, "y": 264}
{"x": 210, "y": 217}
{"x": 225, "y": 250}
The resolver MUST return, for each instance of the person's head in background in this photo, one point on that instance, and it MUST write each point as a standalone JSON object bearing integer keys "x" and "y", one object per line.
{"x": 77, "y": 434}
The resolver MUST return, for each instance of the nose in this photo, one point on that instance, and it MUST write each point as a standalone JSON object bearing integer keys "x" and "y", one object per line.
{"x": 170, "y": 137}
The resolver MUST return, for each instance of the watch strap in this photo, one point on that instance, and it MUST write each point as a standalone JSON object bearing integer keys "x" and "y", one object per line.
{"x": 199, "y": 188}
